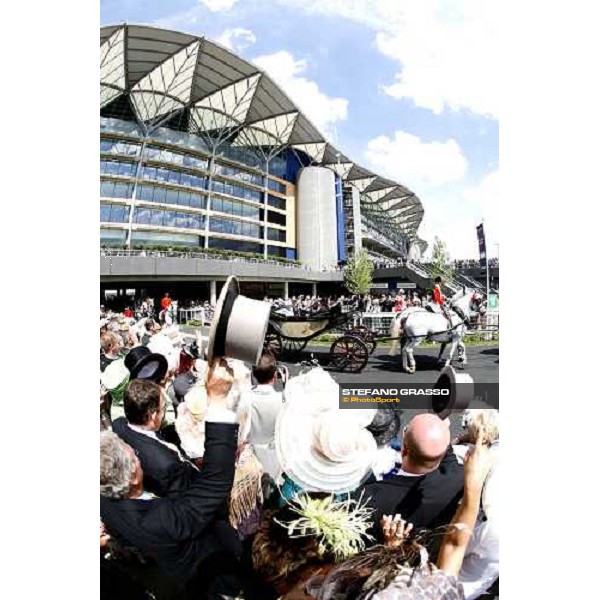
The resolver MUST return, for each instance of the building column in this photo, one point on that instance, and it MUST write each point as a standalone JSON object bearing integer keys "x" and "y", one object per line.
{"x": 213, "y": 292}
{"x": 314, "y": 288}
{"x": 286, "y": 290}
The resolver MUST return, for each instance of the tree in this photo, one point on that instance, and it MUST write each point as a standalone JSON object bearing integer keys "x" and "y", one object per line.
{"x": 358, "y": 273}
{"x": 440, "y": 259}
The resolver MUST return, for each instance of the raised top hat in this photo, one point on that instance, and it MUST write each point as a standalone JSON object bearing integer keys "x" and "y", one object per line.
{"x": 144, "y": 364}
{"x": 239, "y": 326}
{"x": 462, "y": 390}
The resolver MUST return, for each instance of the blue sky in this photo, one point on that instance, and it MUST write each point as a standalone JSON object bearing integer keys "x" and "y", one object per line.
{"x": 408, "y": 88}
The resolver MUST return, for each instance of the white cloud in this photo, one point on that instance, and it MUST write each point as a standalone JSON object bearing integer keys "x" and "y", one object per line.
{"x": 447, "y": 50}
{"x": 452, "y": 215}
{"x": 236, "y": 39}
{"x": 323, "y": 110}
{"x": 418, "y": 164}
{"x": 218, "y": 5}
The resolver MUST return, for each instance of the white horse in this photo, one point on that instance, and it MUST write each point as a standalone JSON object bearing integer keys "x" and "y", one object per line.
{"x": 169, "y": 315}
{"x": 415, "y": 325}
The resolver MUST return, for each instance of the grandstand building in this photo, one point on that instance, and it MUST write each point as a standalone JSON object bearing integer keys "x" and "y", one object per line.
{"x": 200, "y": 149}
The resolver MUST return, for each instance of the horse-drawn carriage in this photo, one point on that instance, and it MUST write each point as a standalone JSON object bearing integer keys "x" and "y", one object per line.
{"x": 288, "y": 335}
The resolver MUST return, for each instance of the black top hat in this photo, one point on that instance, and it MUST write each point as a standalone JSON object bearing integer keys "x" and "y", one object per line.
{"x": 144, "y": 364}
{"x": 239, "y": 326}
{"x": 385, "y": 425}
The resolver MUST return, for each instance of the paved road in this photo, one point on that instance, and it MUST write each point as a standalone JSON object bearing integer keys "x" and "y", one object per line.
{"x": 483, "y": 366}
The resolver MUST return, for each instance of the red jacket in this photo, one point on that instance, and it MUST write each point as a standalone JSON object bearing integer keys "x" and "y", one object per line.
{"x": 165, "y": 303}
{"x": 438, "y": 297}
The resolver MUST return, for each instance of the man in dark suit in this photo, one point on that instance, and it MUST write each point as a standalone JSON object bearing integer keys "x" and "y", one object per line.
{"x": 166, "y": 471}
{"x": 188, "y": 551}
{"x": 427, "y": 487}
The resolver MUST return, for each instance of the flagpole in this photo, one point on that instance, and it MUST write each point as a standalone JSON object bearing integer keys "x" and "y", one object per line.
{"x": 487, "y": 270}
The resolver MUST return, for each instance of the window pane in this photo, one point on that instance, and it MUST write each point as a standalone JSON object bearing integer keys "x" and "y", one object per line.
{"x": 106, "y": 189}
{"x": 170, "y": 218}
{"x": 197, "y": 201}
{"x": 276, "y": 218}
{"x": 157, "y": 217}
{"x": 105, "y": 212}
{"x": 171, "y": 197}
{"x": 144, "y": 192}
{"x": 160, "y": 194}
{"x": 276, "y": 202}
{"x": 142, "y": 215}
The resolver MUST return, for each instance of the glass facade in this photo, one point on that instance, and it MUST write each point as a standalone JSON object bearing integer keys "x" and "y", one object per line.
{"x": 167, "y": 175}
{"x": 121, "y": 168}
{"x": 237, "y": 245}
{"x": 112, "y": 237}
{"x": 168, "y": 218}
{"x": 110, "y": 188}
{"x": 233, "y": 207}
{"x": 225, "y": 187}
{"x": 180, "y": 197}
{"x": 246, "y": 176}
{"x": 177, "y": 158}
{"x": 276, "y": 235}
{"x": 114, "y": 213}
{"x": 278, "y": 251}
{"x": 276, "y": 186}
{"x": 116, "y": 146}
{"x": 153, "y": 238}
{"x": 276, "y": 202}
{"x": 276, "y": 218}
{"x": 220, "y": 225}
{"x": 173, "y": 170}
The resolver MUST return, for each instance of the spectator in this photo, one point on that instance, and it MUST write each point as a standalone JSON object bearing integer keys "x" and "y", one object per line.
{"x": 192, "y": 551}
{"x": 264, "y": 404}
{"x": 167, "y": 471}
{"x": 426, "y": 488}
{"x": 110, "y": 347}
{"x": 151, "y": 328}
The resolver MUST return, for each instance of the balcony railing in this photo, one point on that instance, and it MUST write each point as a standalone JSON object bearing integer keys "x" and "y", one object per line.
{"x": 199, "y": 256}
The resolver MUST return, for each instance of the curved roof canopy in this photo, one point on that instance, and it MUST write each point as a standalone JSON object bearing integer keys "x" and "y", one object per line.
{"x": 163, "y": 72}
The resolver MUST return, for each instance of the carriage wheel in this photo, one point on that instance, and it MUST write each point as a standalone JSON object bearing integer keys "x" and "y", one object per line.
{"x": 272, "y": 344}
{"x": 293, "y": 347}
{"x": 349, "y": 353}
{"x": 366, "y": 335}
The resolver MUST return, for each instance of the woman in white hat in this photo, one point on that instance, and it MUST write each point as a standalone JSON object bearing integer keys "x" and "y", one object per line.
{"x": 322, "y": 448}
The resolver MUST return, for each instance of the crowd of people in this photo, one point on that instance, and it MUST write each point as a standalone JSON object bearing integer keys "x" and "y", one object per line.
{"x": 474, "y": 264}
{"x": 224, "y": 480}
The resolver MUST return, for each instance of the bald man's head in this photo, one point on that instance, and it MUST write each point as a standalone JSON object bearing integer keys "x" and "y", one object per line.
{"x": 426, "y": 439}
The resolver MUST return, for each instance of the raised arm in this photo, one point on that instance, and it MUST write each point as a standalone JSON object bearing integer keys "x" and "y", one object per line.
{"x": 186, "y": 515}
{"x": 477, "y": 466}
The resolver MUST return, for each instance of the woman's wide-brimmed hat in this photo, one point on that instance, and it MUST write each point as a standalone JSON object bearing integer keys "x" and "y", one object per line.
{"x": 239, "y": 326}
{"x": 321, "y": 447}
{"x": 115, "y": 379}
{"x": 142, "y": 363}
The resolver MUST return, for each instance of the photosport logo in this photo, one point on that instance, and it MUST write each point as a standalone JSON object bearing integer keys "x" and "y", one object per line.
{"x": 444, "y": 396}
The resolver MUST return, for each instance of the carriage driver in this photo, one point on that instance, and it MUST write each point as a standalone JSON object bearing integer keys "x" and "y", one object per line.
{"x": 437, "y": 302}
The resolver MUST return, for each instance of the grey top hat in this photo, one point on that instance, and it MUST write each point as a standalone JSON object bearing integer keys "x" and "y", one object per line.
{"x": 239, "y": 326}
{"x": 461, "y": 390}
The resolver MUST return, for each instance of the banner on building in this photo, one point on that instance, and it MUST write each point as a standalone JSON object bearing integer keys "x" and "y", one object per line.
{"x": 482, "y": 250}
